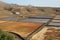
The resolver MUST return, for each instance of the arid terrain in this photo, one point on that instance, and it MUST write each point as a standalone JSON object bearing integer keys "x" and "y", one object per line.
{"x": 30, "y": 22}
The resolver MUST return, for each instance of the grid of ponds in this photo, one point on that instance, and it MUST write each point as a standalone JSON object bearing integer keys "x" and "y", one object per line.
{"x": 55, "y": 21}
{"x": 40, "y": 19}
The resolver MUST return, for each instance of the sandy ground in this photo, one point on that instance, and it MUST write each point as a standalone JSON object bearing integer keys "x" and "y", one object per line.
{"x": 39, "y": 35}
{"x": 2, "y": 21}
{"x": 56, "y": 21}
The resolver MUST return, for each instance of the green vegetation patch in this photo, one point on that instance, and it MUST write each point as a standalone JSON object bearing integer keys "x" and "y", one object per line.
{"x": 6, "y": 36}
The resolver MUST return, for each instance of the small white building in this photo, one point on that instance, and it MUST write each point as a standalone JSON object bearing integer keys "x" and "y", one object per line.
{"x": 16, "y": 13}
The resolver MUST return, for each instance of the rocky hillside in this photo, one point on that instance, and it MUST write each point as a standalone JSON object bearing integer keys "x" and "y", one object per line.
{"x": 6, "y": 10}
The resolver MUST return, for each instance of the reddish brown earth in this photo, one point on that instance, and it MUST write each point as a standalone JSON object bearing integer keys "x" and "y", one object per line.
{"x": 21, "y": 28}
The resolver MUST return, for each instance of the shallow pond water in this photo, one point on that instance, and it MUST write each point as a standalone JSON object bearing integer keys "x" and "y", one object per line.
{"x": 36, "y": 20}
{"x": 54, "y": 24}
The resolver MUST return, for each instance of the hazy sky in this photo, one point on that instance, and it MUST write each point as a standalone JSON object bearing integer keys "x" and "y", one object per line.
{"x": 49, "y": 3}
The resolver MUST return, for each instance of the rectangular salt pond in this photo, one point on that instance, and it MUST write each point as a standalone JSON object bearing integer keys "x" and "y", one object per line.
{"x": 39, "y": 17}
{"x": 8, "y": 18}
{"x": 57, "y": 17}
{"x": 36, "y": 20}
{"x": 54, "y": 24}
